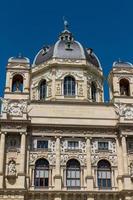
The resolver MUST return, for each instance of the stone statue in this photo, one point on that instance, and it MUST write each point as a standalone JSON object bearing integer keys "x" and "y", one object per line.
{"x": 12, "y": 168}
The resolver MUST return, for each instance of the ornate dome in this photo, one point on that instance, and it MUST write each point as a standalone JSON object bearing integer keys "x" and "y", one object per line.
{"x": 120, "y": 63}
{"x": 66, "y": 48}
{"x": 19, "y": 59}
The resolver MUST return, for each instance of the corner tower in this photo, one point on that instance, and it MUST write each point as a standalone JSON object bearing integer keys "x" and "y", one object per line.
{"x": 121, "y": 82}
{"x": 17, "y": 78}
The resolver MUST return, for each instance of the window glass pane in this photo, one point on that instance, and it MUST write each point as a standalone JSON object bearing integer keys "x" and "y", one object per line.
{"x": 68, "y": 174}
{"x": 108, "y": 175}
{"x": 37, "y": 173}
{"x": 78, "y": 183}
{"x": 42, "y": 173}
{"x": 73, "y": 144}
{"x": 103, "y": 145}
{"x": 72, "y": 174}
{"x": 46, "y": 182}
{"x": 68, "y": 183}
{"x": 73, "y": 183}
{"x": 104, "y": 175}
{"x": 69, "y": 86}
{"x": 77, "y": 174}
{"x": 42, "y": 144}
{"x": 46, "y": 173}
{"x": 109, "y": 183}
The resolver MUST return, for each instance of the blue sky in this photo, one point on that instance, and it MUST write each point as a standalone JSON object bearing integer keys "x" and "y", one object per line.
{"x": 104, "y": 25}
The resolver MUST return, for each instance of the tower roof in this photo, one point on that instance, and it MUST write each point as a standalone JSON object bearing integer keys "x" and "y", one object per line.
{"x": 66, "y": 48}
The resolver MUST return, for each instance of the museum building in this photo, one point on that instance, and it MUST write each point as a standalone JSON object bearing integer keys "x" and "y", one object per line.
{"x": 59, "y": 140}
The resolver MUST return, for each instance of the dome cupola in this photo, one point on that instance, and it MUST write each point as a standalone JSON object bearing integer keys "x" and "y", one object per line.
{"x": 66, "y": 48}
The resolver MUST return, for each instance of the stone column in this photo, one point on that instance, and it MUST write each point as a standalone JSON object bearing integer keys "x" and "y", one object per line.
{"x": 23, "y": 153}
{"x": 22, "y": 169}
{"x": 8, "y": 87}
{"x": 57, "y": 167}
{"x": 2, "y": 152}
{"x": 126, "y": 176}
{"x": 124, "y": 150}
{"x": 89, "y": 177}
{"x": 2, "y": 157}
{"x": 53, "y": 82}
{"x": 33, "y": 177}
{"x": 120, "y": 163}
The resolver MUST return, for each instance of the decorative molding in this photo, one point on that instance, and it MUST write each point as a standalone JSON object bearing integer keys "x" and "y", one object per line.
{"x": 37, "y": 155}
{"x": 61, "y": 74}
{"x": 124, "y": 110}
{"x": 80, "y": 157}
{"x": 14, "y": 108}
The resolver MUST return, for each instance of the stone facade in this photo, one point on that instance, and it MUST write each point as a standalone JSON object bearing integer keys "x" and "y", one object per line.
{"x": 59, "y": 139}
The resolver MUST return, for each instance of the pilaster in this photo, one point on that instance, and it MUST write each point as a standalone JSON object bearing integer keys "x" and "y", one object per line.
{"x": 22, "y": 174}
{"x": 2, "y": 158}
{"x": 57, "y": 177}
{"x": 89, "y": 178}
{"x": 126, "y": 177}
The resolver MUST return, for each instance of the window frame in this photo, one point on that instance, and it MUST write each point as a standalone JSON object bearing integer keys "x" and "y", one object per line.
{"x": 103, "y": 149}
{"x": 73, "y": 147}
{"x": 105, "y": 182}
{"x": 40, "y": 180}
{"x": 43, "y": 90}
{"x": 69, "y": 86}
{"x": 73, "y": 174}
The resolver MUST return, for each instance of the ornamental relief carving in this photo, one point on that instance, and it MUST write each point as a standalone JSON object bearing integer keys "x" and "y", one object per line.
{"x": 80, "y": 90}
{"x": 52, "y": 145}
{"x": 47, "y": 77}
{"x": 97, "y": 157}
{"x": 14, "y": 108}
{"x": 78, "y": 75}
{"x": 35, "y": 156}
{"x": 64, "y": 147}
{"x": 124, "y": 110}
{"x": 81, "y": 158}
{"x": 68, "y": 60}
{"x": 109, "y": 154}
{"x": 111, "y": 147}
{"x": 58, "y": 89}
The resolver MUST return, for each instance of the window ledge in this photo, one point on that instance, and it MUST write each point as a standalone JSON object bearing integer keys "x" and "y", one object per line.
{"x": 73, "y": 150}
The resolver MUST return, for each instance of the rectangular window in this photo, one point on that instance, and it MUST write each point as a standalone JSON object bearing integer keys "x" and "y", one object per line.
{"x": 103, "y": 146}
{"x": 42, "y": 144}
{"x": 130, "y": 145}
{"x": 73, "y": 145}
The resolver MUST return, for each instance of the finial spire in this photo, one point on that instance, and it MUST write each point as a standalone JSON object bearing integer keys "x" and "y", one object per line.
{"x": 65, "y": 24}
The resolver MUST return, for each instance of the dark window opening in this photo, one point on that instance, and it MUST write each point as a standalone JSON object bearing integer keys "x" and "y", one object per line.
{"x": 43, "y": 89}
{"x": 17, "y": 83}
{"x": 42, "y": 144}
{"x": 73, "y": 173}
{"x": 41, "y": 173}
{"x": 103, "y": 145}
{"x": 69, "y": 86}
{"x": 124, "y": 87}
{"x": 93, "y": 91}
{"x": 104, "y": 174}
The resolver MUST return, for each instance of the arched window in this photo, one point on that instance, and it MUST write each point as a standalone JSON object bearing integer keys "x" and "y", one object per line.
{"x": 93, "y": 91}
{"x": 69, "y": 86}
{"x": 104, "y": 174}
{"x": 73, "y": 173}
{"x": 41, "y": 173}
{"x": 17, "y": 83}
{"x": 43, "y": 89}
{"x": 124, "y": 87}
